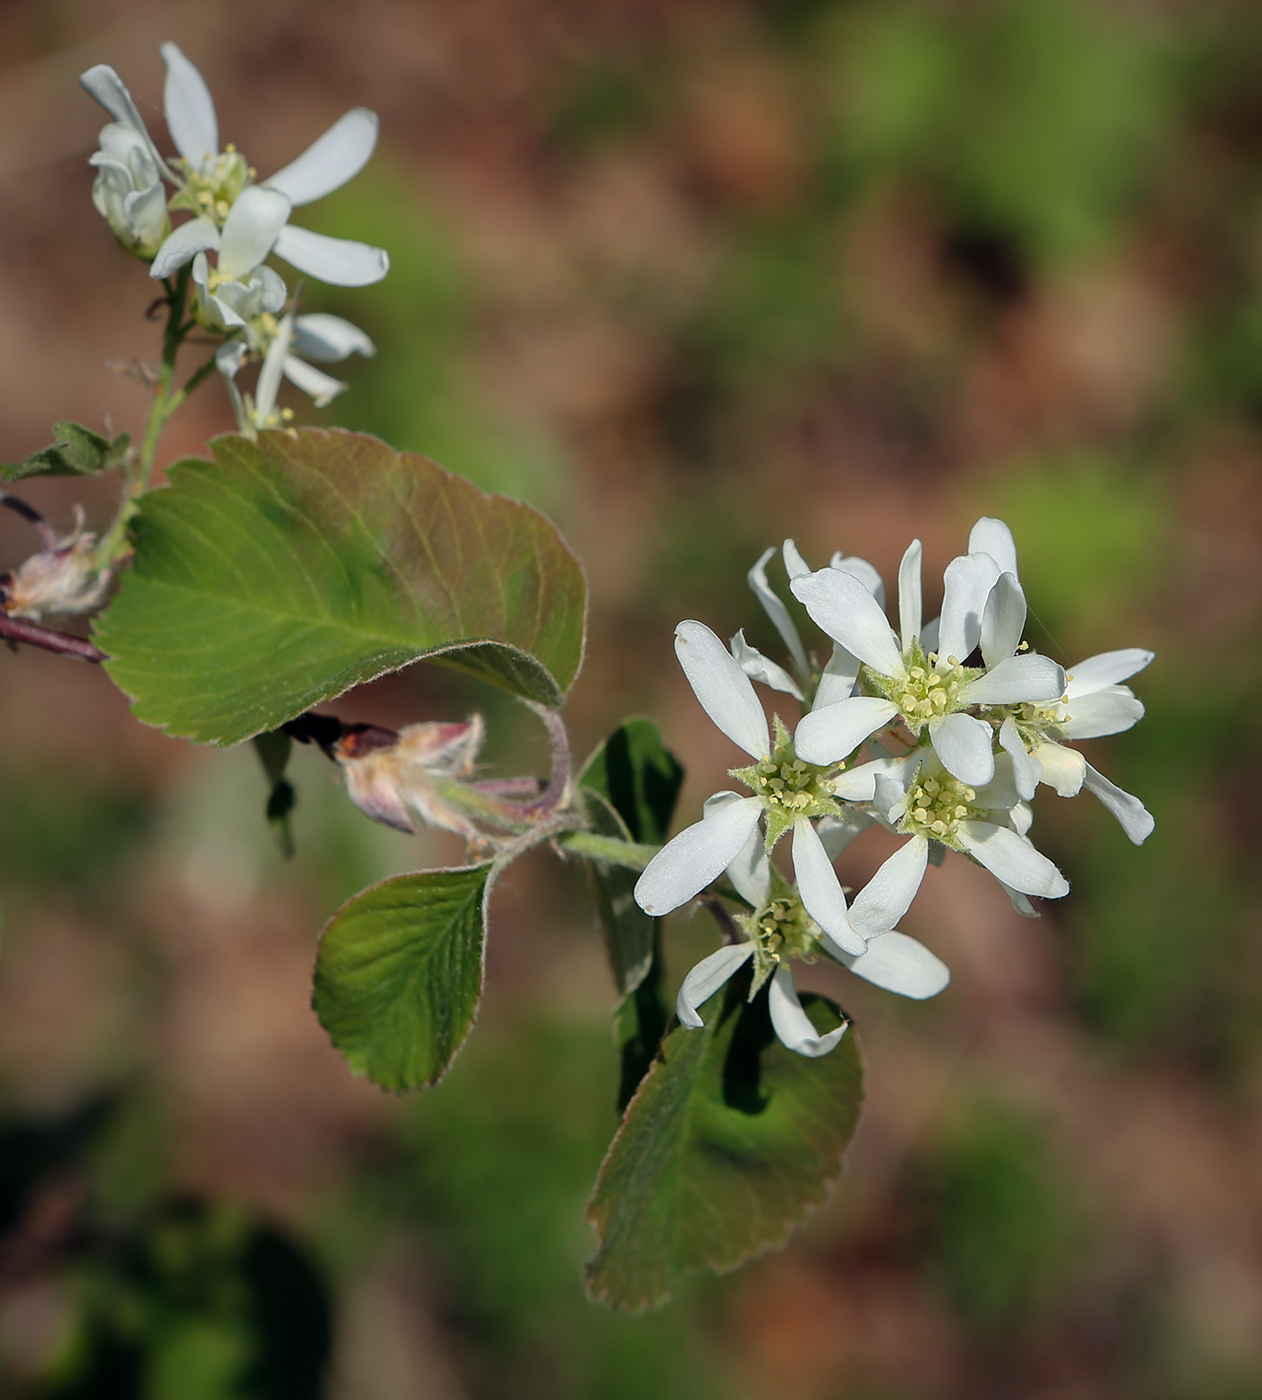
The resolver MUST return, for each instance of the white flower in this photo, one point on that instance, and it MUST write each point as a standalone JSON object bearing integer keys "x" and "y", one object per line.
{"x": 779, "y": 931}
{"x": 918, "y": 672}
{"x": 128, "y": 191}
{"x": 218, "y": 186}
{"x": 788, "y": 793}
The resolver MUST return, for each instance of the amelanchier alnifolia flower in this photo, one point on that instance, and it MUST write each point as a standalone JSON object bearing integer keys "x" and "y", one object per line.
{"x": 789, "y": 794}
{"x": 780, "y": 931}
{"x": 218, "y": 186}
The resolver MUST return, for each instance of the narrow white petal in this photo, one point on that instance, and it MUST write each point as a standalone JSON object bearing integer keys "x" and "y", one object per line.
{"x": 1030, "y": 676}
{"x": 332, "y": 159}
{"x": 228, "y": 358}
{"x": 964, "y": 746}
{"x": 1026, "y": 771}
{"x": 1107, "y": 711}
{"x": 1012, "y": 860}
{"x": 830, "y": 734}
{"x": 335, "y": 260}
{"x": 147, "y": 210}
{"x": 1063, "y": 769}
{"x": 867, "y": 574}
{"x": 887, "y": 896}
{"x": 901, "y": 964}
{"x": 319, "y": 336}
{"x": 1108, "y": 668}
{"x": 758, "y": 668}
{"x": 750, "y": 872}
{"x": 273, "y": 292}
{"x": 1136, "y": 821}
{"x": 794, "y": 564}
{"x": 858, "y": 784}
{"x": 1021, "y": 903}
{"x": 791, "y": 1024}
{"x": 185, "y": 242}
{"x": 268, "y": 385}
{"x": 991, "y": 536}
{"x": 889, "y": 797}
{"x": 103, "y": 83}
{"x": 1021, "y": 818}
{"x": 820, "y": 889}
{"x": 250, "y": 230}
{"x": 1000, "y": 794}
{"x": 322, "y": 387}
{"x": 723, "y": 688}
{"x": 929, "y": 634}
{"x": 840, "y": 604}
{"x": 966, "y": 586}
{"x": 699, "y": 854}
{"x": 836, "y": 682}
{"x": 706, "y": 978}
{"x": 909, "y": 598}
{"x": 1003, "y": 620}
{"x": 775, "y": 609}
{"x": 190, "y": 109}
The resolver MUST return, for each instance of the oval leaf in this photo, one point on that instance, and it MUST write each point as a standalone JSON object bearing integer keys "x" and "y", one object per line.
{"x": 729, "y": 1143}
{"x": 292, "y": 568}
{"x": 399, "y": 974}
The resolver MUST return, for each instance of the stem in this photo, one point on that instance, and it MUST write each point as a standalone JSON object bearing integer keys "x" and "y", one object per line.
{"x": 608, "y": 848}
{"x": 15, "y": 629}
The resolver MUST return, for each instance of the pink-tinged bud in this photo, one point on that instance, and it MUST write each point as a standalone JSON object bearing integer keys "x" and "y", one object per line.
{"x": 390, "y": 776}
{"x": 63, "y": 579}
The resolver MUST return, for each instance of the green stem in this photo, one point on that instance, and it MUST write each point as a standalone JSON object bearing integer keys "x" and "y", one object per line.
{"x": 607, "y": 848}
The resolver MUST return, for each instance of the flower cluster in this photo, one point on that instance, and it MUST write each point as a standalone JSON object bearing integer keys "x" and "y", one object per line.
{"x": 960, "y": 721}
{"x": 240, "y": 221}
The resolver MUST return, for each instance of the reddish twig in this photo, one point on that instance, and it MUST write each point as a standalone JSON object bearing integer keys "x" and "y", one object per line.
{"x": 15, "y": 629}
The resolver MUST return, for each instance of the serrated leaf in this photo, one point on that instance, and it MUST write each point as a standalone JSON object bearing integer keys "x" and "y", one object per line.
{"x": 75, "y": 451}
{"x": 399, "y": 974}
{"x": 730, "y": 1141}
{"x": 292, "y": 568}
{"x": 640, "y": 778}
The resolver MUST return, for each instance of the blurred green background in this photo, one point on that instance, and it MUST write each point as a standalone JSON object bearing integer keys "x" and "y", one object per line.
{"x": 692, "y": 277}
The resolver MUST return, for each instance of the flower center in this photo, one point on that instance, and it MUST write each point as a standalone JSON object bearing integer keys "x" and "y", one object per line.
{"x": 936, "y": 807}
{"x": 929, "y": 690}
{"x": 791, "y": 783}
{"x": 213, "y": 188}
{"x": 781, "y": 929}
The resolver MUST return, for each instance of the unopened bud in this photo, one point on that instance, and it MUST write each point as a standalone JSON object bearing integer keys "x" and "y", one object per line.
{"x": 62, "y": 579}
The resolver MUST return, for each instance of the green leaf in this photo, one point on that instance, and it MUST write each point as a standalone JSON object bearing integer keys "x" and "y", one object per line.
{"x": 399, "y": 974}
{"x": 729, "y": 1143}
{"x": 75, "y": 451}
{"x": 640, "y": 778}
{"x": 273, "y": 748}
{"x": 629, "y": 931}
{"x": 639, "y": 1024}
{"x": 292, "y": 568}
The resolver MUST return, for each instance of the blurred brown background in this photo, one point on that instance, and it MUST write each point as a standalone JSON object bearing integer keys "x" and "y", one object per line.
{"x": 692, "y": 277}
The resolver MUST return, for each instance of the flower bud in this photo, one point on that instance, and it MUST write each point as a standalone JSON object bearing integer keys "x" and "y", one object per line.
{"x": 63, "y": 579}
{"x": 128, "y": 191}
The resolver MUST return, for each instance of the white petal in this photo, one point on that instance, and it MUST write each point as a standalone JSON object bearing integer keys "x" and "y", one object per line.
{"x": 1030, "y": 676}
{"x": 185, "y": 242}
{"x": 335, "y": 260}
{"x": 966, "y": 586}
{"x": 147, "y": 210}
{"x": 909, "y": 599}
{"x": 190, "y": 109}
{"x": 268, "y": 385}
{"x": 758, "y": 668}
{"x": 103, "y": 83}
{"x": 332, "y": 159}
{"x": 964, "y": 746}
{"x": 1021, "y": 818}
{"x": 1020, "y": 902}
{"x": 1012, "y": 860}
{"x": 250, "y": 230}
{"x": 858, "y": 784}
{"x": 319, "y": 336}
{"x": 1026, "y": 771}
{"x": 750, "y": 872}
{"x": 1107, "y": 711}
{"x": 272, "y": 292}
{"x": 929, "y": 635}
{"x": 844, "y": 608}
{"x": 1063, "y": 769}
{"x": 830, "y": 734}
{"x": 1135, "y": 819}
{"x": 699, "y": 854}
{"x": 836, "y": 833}
{"x": 794, "y": 564}
{"x": 887, "y": 896}
{"x": 820, "y": 889}
{"x": 901, "y": 964}
{"x": 1000, "y": 794}
{"x": 322, "y": 387}
{"x": 836, "y": 682}
{"x": 991, "y": 536}
{"x": 1003, "y": 620}
{"x": 723, "y": 688}
{"x": 776, "y": 610}
{"x": 1108, "y": 668}
{"x": 867, "y": 574}
{"x": 706, "y": 978}
{"x": 228, "y": 358}
{"x": 792, "y": 1025}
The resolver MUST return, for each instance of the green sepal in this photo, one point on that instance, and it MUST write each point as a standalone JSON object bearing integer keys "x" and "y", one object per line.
{"x": 730, "y": 1141}
{"x": 74, "y": 451}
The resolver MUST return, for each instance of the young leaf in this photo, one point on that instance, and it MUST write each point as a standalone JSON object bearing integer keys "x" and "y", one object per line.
{"x": 730, "y": 1141}
{"x": 291, "y": 568}
{"x": 399, "y": 974}
{"x": 75, "y": 451}
{"x": 640, "y": 778}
